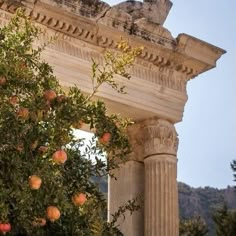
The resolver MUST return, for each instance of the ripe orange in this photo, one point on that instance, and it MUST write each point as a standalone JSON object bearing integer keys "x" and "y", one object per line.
{"x": 5, "y": 227}
{"x": 59, "y": 156}
{"x": 35, "y": 182}
{"x": 53, "y": 213}
{"x": 79, "y": 199}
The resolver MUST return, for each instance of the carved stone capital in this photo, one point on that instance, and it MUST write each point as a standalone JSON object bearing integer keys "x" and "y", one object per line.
{"x": 160, "y": 138}
{"x": 152, "y": 137}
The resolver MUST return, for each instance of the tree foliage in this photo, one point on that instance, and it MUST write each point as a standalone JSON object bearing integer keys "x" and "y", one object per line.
{"x": 225, "y": 222}
{"x": 193, "y": 227}
{"x": 45, "y": 178}
{"x": 233, "y": 166}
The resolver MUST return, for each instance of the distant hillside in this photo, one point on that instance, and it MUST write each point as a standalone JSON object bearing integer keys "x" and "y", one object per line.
{"x": 196, "y": 201}
{"x": 204, "y": 202}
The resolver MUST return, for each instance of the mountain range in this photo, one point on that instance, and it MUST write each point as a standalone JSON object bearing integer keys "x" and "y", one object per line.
{"x": 194, "y": 202}
{"x": 204, "y": 202}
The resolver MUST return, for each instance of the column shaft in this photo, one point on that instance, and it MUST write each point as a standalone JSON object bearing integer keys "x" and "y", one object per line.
{"x": 129, "y": 185}
{"x": 161, "y": 197}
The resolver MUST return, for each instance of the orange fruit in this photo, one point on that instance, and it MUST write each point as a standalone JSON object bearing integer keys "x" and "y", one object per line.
{"x": 79, "y": 199}
{"x": 35, "y": 182}
{"x": 59, "y": 156}
{"x": 53, "y": 213}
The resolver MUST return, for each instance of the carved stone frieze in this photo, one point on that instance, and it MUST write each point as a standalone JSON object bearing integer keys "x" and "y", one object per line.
{"x": 159, "y": 74}
{"x": 164, "y": 76}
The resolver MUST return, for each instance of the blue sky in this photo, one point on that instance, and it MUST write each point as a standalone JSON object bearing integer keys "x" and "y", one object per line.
{"x": 208, "y": 131}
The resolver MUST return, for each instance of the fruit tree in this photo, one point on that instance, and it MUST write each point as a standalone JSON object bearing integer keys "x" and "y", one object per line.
{"x": 46, "y": 185}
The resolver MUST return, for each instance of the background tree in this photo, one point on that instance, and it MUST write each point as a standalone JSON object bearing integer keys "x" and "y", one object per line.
{"x": 225, "y": 222}
{"x": 45, "y": 179}
{"x": 193, "y": 227}
{"x": 233, "y": 166}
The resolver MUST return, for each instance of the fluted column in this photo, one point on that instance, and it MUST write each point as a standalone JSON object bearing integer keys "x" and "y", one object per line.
{"x": 161, "y": 195}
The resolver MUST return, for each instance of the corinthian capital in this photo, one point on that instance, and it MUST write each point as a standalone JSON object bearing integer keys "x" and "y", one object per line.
{"x": 152, "y": 137}
{"x": 160, "y": 138}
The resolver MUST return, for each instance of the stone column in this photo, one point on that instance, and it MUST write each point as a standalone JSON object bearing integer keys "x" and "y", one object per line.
{"x": 129, "y": 185}
{"x": 161, "y": 195}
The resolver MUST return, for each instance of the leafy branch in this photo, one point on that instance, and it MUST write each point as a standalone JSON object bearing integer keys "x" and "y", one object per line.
{"x": 114, "y": 64}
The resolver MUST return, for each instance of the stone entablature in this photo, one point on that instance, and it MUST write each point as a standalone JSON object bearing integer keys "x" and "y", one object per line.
{"x": 158, "y": 86}
{"x": 160, "y": 73}
{"x": 91, "y": 31}
{"x": 159, "y": 77}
